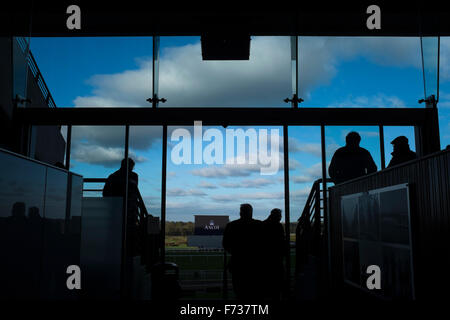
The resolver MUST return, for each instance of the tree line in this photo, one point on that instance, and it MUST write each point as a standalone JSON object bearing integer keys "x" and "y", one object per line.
{"x": 182, "y": 228}
{"x": 179, "y": 228}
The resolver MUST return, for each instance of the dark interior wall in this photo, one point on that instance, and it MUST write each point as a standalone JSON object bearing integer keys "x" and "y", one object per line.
{"x": 429, "y": 181}
{"x": 5, "y": 92}
{"x": 40, "y": 229}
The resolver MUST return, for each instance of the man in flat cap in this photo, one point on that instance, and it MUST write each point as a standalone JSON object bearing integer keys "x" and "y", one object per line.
{"x": 402, "y": 152}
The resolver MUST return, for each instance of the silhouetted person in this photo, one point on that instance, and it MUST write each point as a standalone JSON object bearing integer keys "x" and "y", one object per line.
{"x": 402, "y": 152}
{"x": 115, "y": 187}
{"x": 303, "y": 235}
{"x": 242, "y": 239}
{"x": 273, "y": 235}
{"x": 351, "y": 161}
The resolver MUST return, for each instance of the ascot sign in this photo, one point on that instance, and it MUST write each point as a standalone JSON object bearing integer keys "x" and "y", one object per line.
{"x": 262, "y": 152}
{"x": 211, "y": 226}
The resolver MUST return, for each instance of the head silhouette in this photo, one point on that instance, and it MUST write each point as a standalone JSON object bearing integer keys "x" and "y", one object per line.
{"x": 275, "y": 215}
{"x": 33, "y": 213}
{"x": 246, "y": 211}
{"x": 400, "y": 143}
{"x": 353, "y": 139}
{"x": 123, "y": 164}
{"x": 18, "y": 209}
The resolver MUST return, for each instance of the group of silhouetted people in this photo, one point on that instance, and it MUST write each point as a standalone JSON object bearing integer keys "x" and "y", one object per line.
{"x": 257, "y": 247}
{"x": 352, "y": 161}
{"x": 257, "y": 250}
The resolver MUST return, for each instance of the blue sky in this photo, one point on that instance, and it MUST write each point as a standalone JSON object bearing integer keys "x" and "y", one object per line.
{"x": 333, "y": 72}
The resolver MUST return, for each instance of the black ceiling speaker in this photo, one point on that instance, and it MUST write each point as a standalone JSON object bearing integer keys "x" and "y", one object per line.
{"x": 225, "y": 47}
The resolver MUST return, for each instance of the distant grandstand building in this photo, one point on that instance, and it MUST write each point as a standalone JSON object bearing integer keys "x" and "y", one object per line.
{"x": 208, "y": 231}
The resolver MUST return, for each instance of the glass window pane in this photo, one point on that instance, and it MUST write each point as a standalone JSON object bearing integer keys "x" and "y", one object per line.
{"x": 200, "y": 183}
{"x": 95, "y": 71}
{"x": 360, "y": 72}
{"x": 188, "y": 81}
{"x": 305, "y": 167}
{"x": 444, "y": 92}
{"x": 390, "y": 133}
{"x": 430, "y": 49}
{"x": 335, "y": 138}
{"x": 96, "y": 152}
{"x": 146, "y": 151}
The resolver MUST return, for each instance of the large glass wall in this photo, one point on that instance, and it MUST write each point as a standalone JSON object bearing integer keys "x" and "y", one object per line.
{"x": 332, "y": 72}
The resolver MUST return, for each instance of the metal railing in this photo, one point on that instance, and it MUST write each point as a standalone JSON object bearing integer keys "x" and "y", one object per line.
{"x": 310, "y": 227}
{"x": 37, "y": 75}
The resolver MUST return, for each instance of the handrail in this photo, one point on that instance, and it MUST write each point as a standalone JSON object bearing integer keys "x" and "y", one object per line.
{"x": 310, "y": 227}
{"x": 37, "y": 75}
{"x": 143, "y": 210}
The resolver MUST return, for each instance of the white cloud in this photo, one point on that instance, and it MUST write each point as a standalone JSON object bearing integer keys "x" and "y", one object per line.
{"x": 375, "y": 101}
{"x": 178, "y": 192}
{"x": 310, "y": 148}
{"x": 255, "y": 183}
{"x": 207, "y": 185}
{"x": 248, "y": 196}
{"x": 302, "y": 179}
{"x": 238, "y": 170}
{"x": 311, "y": 174}
{"x": 108, "y": 157}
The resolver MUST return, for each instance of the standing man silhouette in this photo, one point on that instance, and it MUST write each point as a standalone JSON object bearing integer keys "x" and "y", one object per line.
{"x": 275, "y": 248}
{"x": 242, "y": 239}
{"x": 351, "y": 161}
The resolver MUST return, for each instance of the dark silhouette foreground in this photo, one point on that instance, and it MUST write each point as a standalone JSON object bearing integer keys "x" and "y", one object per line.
{"x": 257, "y": 250}
{"x": 273, "y": 236}
{"x": 115, "y": 187}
